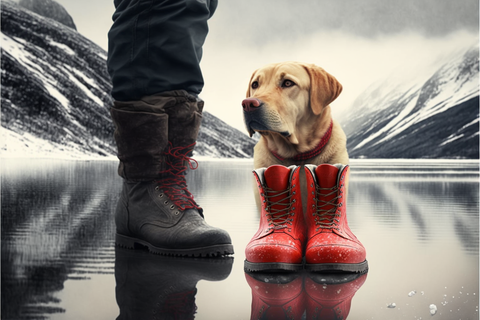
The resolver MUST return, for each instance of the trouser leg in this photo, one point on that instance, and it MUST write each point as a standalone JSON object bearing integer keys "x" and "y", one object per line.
{"x": 156, "y": 46}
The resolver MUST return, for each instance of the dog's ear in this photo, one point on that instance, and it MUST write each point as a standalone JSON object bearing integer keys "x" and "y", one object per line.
{"x": 249, "y": 92}
{"x": 324, "y": 88}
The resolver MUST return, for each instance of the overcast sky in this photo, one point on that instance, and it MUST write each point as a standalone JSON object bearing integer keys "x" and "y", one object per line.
{"x": 358, "y": 41}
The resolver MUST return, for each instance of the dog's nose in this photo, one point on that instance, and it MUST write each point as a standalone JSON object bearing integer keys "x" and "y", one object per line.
{"x": 250, "y": 104}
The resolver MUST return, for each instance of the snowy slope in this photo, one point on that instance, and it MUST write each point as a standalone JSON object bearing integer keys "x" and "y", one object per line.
{"x": 56, "y": 93}
{"x": 435, "y": 118}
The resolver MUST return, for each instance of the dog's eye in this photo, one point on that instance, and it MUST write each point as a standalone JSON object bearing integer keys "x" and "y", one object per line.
{"x": 254, "y": 84}
{"x": 287, "y": 83}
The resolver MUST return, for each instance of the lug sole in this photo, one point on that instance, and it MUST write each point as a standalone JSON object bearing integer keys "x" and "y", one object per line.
{"x": 209, "y": 251}
{"x": 271, "y": 266}
{"x": 338, "y": 267}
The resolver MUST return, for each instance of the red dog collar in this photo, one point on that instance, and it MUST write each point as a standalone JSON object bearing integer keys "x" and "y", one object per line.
{"x": 312, "y": 153}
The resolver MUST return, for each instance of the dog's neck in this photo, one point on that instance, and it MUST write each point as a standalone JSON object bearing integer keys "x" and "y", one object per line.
{"x": 304, "y": 156}
{"x": 311, "y": 137}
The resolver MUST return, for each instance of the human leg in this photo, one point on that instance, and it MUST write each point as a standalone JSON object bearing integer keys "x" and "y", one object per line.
{"x": 157, "y": 125}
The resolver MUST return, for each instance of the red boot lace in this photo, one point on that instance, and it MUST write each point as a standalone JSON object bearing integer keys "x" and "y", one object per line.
{"x": 278, "y": 211}
{"x": 327, "y": 214}
{"x": 174, "y": 184}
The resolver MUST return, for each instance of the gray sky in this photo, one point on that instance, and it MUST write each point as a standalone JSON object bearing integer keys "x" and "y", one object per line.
{"x": 358, "y": 41}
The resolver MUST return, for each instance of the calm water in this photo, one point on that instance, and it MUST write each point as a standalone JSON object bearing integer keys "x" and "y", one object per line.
{"x": 418, "y": 220}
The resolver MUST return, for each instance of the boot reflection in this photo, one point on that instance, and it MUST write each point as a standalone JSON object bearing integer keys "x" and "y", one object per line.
{"x": 278, "y": 296}
{"x": 329, "y": 296}
{"x": 158, "y": 287}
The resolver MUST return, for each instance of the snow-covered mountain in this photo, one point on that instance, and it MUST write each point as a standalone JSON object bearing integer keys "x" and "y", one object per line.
{"x": 433, "y": 118}
{"x": 56, "y": 92}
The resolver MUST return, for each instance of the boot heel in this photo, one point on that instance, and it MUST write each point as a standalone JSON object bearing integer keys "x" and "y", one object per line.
{"x": 125, "y": 242}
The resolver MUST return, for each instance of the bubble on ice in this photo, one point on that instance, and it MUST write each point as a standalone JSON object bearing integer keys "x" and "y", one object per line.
{"x": 412, "y": 293}
{"x": 433, "y": 309}
{"x": 392, "y": 305}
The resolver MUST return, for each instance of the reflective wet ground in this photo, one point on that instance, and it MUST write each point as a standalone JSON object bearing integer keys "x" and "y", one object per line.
{"x": 418, "y": 220}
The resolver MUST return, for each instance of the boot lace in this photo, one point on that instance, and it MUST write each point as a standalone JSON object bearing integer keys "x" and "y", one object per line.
{"x": 174, "y": 184}
{"x": 327, "y": 213}
{"x": 278, "y": 212}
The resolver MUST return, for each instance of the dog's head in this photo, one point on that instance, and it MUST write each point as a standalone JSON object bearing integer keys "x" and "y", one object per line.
{"x": 281, "y": 95}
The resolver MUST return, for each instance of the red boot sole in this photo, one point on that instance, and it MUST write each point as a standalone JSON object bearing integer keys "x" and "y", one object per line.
{"x": 338, "y": 267}
{"x": 272, "y": 266}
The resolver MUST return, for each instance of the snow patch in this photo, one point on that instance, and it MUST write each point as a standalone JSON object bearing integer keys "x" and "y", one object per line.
{"x": 61, "y": 46}
{"x": 26, "y": 145}
{"x": 83, "y": 88}
{"x": 16, "y": 49}
{"x": 451, "y": 138}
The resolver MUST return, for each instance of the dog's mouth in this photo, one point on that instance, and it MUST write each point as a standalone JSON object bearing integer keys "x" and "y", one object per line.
{"x": 264, "y": 123}
{"x": 262, "y": 129}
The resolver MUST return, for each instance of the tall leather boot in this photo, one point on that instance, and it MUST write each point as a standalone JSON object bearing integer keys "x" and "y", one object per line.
{"x": 155, "y": 137}
{"x": 278, "y": 243}
{"x": 276, "y": 296}
{"x": 329, "y": 296}
{"x": 159, "y": 287}
{"x": 331, "y": 245}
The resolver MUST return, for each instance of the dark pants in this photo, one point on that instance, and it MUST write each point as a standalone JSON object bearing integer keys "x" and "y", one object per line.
{"x": 156, "y": 46}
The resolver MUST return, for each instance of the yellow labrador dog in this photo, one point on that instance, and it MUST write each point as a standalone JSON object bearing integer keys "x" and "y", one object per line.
{"x": 288, "y": 104}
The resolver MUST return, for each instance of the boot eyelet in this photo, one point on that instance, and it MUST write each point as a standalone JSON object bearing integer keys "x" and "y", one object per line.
{"x": 161, "y": 195}
{"x": 157, "y": 188}
{"x": 165, "y": 202}
{"x": 177, "y": 213}
{"x": 294, "y": 200}
{"x": 172, "y": 207}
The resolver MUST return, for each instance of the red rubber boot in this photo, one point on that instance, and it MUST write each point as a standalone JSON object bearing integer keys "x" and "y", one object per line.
{"x": 278, "y": 243}
{"x": 331, "y": 245}
{"x": 276, "y": 296}
{"x": 329, "y": 297}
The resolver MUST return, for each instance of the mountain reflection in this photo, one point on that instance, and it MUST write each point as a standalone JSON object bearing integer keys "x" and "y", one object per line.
{"x": 427, "y": 203}
{"x": 56, "y": 225}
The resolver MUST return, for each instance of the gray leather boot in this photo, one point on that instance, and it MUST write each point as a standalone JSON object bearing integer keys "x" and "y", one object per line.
{"x": 155, "y": 137}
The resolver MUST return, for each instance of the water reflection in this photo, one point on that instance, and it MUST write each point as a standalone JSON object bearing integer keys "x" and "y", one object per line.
{"x": 54, "y": 228}
{"x": 58, "y": 256}
{"x": 280, "y": 296}
{"x": 157, "y": 287}
{"x": 425, "y": 206}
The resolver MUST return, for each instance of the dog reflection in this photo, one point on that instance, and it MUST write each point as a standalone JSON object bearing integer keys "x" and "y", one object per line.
{"x": 291, "y": 296}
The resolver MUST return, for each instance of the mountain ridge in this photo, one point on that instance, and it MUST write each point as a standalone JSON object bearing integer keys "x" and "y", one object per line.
{"x": 433, "y": 118}
{"x": 56, "y": 95}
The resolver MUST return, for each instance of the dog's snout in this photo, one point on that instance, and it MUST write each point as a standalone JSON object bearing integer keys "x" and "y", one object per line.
{"x": 251, "y": 104}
